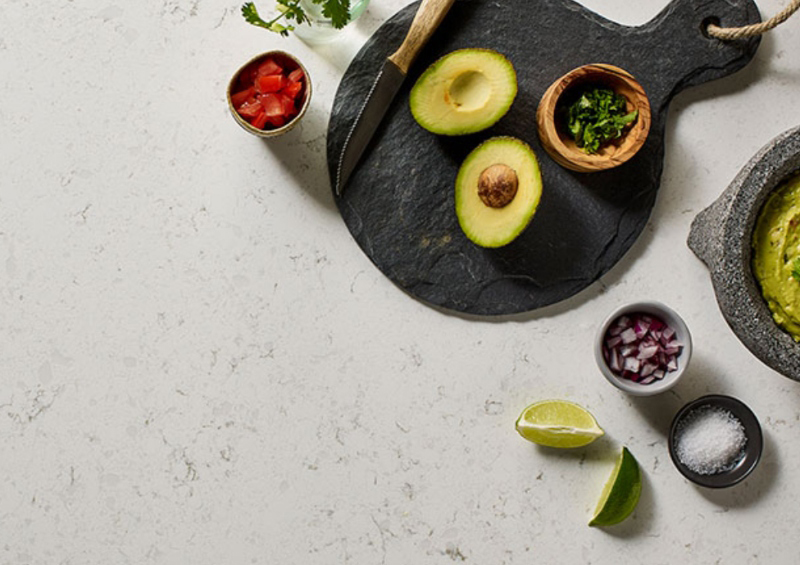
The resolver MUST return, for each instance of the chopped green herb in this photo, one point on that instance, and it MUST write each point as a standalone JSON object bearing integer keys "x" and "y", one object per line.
{"x": 596, "y": 117}
{"x": 337, "y": 10}
{"x": 796, "y": 269}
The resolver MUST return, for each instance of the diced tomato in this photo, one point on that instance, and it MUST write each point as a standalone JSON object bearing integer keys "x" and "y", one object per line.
{"x": 260, "y": 121}
{"x": 250, "y": 108}
{"x": 277, "y": 121}
{"x": 267, "y": 95}
{"x": 288, "y": 104}
{"x": 269, "y": 67}
{"x": 241, "y": 97}
{"x": 248, "y": 75}
{"x": 292, "y": 89}
{"x": 269, "y": 83}
{"x": 272, "y": 104}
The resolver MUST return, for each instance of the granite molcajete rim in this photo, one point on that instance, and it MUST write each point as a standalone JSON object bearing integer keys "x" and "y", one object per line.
{"x": 721, "y": 237}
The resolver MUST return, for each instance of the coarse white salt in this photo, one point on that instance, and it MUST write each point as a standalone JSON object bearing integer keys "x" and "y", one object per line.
{"x": 710, "y": 440}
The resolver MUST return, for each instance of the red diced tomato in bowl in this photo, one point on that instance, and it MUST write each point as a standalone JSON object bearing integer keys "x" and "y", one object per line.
{"x": 269, "y": 67}
{"x": 292, "y": 89}
{"x": 277, "y": 121}
{"x": 272, "y": 104}
{"x": 287, "y": 103}
{"x": 250, "y": 108}
{"x": 269, "y": 83}
{"x": 269, "y": 92}
{"x": 241, "y": 97}
{"x": 260, "y": 121}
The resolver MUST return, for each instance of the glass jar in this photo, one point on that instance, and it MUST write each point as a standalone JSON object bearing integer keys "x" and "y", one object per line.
{"x": 321, "y": 30}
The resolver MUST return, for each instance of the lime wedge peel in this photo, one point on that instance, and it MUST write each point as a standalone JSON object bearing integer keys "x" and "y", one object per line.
{"x": 558, "y": 423}
{"x": 621, "y": 492}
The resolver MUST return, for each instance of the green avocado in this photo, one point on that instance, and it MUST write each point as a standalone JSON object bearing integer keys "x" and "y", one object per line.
{"x": 776, "y": 255}
{"x": 498, "y": 188}
{"x": 464, "y": 92}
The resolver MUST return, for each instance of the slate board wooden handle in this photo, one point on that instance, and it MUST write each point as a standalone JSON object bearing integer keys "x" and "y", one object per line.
{"x": 429, "y": 15}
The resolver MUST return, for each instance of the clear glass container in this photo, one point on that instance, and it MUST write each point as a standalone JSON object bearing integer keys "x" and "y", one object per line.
{"x": 321, "y": 30}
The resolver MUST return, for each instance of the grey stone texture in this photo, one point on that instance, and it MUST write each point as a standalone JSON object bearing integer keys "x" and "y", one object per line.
{"x": 721, "y": 235}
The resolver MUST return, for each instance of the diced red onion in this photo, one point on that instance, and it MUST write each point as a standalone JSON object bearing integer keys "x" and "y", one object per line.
{"x": 616, "y": 361}
{"x": 647, "y": 352}
{"x": 628, "y": 336}
{"x": 641, "y": 347}
{"x": 648, "y": 369}
{"x": 632, "y": 364}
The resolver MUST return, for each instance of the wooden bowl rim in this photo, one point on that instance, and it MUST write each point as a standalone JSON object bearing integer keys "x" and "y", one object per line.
{"x": 571, "y": 156}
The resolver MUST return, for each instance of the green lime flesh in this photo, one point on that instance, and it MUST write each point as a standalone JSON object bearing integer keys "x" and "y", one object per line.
{"x": 558, "y": 423}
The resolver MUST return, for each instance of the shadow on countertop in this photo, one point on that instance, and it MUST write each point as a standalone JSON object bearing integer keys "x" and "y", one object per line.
{"x": 754, "y": 487}
{"x": 302, "y": 152}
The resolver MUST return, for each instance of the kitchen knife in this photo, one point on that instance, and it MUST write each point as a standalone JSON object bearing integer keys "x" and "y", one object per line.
{"x": 429, "y": 15}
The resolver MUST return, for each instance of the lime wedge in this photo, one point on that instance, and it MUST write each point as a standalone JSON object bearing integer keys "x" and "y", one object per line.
{"x": 558, "y": 423}
{"x": 620, "y": 493}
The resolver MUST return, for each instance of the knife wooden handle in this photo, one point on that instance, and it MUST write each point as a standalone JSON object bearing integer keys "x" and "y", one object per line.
{"x": 429, "y": 15}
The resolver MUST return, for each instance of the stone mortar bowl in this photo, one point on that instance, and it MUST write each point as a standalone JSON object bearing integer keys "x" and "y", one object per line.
{"x": 721, "y": 237}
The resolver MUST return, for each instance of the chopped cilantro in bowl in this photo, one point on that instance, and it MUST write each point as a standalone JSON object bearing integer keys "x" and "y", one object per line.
{"x": 597, "y": 116}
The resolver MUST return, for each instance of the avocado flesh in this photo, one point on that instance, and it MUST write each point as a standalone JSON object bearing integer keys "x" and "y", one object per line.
{"x": 464, "y": 92}
{"x": 494, "y": 227}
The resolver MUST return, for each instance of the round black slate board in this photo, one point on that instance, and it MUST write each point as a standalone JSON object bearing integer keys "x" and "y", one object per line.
{"x": 399, "y": 206}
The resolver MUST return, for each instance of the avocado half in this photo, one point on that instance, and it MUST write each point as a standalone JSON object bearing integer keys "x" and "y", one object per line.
{"x": 498, "y": 188}
{"x": 464, "y": 92}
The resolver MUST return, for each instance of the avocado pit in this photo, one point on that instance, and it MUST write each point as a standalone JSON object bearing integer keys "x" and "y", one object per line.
{"x": 497, "y": 185}
{"x": 497, "y": 191}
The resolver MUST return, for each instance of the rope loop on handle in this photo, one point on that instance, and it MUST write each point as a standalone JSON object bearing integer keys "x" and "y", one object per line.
{"x": 732, "y": 33}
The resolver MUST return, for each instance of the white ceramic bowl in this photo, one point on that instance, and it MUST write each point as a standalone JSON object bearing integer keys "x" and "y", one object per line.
{"x": 668, "y": 316}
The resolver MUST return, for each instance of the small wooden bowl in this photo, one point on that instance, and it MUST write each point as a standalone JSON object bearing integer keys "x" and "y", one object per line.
{"x": 287, "y": 61}
{"x": 557, "y": 141}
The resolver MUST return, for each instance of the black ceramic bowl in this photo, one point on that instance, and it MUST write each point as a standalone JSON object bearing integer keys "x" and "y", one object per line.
{"x": 721, "y": 235}
{"x": 752, "y": 449}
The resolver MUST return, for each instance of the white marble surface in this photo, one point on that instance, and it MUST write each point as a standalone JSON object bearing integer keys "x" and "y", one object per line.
{"x": 198, "y": 365}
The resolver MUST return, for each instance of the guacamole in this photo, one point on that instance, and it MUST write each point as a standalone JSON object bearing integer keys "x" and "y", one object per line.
{"x": 776, "y": 255}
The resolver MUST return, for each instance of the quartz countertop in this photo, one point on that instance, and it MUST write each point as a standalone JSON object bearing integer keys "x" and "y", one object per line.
{"x": 199, "y": 365}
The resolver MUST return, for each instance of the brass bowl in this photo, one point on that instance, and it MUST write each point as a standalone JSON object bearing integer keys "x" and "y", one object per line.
{"x": 287, "y": 61}
{"x": 557, "y": 141}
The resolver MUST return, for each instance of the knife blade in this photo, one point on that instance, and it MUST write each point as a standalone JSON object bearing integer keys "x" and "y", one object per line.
{"x": 389, "y": 80}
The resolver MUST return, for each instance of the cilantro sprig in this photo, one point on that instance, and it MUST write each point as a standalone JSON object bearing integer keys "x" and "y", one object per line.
{"x": 596, "y": 117}
{"x": 796, "y": 269}
{"x": 338, "y": 11}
